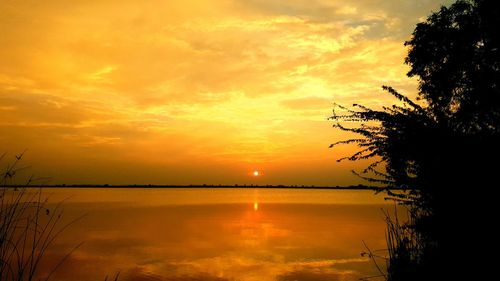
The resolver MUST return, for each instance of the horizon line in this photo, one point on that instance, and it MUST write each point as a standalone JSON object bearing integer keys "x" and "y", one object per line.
{"x": 351, "y": 187}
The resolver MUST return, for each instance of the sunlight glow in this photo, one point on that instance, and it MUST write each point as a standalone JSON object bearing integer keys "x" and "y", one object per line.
{"x": 226, "y": 84}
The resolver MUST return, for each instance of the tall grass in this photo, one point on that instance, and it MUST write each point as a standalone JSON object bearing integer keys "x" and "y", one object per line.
{"x": 407, "y": 254}
{"x": 28, "y": 227}
{"x": 405, "y": 248}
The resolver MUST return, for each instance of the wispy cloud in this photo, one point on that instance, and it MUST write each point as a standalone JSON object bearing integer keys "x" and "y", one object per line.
{"x": 237, "y": 82}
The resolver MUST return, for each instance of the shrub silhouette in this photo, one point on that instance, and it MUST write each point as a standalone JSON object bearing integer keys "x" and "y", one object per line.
{"x": 440, "y": 151}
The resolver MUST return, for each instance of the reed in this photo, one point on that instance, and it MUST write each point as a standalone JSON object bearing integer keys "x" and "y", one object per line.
{"x": 406, "y": 252}
{"x": 28, "y": 227}
{"x": 405, "y": 248}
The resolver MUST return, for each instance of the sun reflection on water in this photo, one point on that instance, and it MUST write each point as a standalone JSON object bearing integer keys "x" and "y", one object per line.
{"x": 221, "y": 234}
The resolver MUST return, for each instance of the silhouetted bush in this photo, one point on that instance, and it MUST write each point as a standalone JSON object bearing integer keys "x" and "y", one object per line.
{"x": 441, "y": 151}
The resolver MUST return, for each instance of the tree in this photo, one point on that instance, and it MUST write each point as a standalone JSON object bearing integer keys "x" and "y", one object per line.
{"x": 456, "y": 55}
{"x": 442, "y": 151}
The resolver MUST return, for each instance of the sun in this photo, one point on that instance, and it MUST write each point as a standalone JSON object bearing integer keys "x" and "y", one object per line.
{"x": 256, "y": 173}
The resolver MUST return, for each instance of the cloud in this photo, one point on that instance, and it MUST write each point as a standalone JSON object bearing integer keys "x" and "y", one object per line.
{"x": 139, "y": 274}
{"x": 308, "y": 103}
{"x": 385, "y": 18}
{"x": 310, "y": 275}
{"x": 233, "y": 82}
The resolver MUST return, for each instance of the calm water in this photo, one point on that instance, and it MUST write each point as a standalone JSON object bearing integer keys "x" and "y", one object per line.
{"x": 218, "y": 234}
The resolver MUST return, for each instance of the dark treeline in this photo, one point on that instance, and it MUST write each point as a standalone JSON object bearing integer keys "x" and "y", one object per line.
{"x": 348, "y": 187}
{"x": 442, "y": 149}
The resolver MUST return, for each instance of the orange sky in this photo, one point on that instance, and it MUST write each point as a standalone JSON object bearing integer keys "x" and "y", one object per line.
{"x": 187, "y": 91}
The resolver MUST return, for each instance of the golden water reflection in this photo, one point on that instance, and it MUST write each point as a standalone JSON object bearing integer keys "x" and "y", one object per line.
{"x": 223, "y": 234}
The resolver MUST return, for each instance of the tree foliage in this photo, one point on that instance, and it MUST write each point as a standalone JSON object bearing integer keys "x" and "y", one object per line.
{"x": 456, "y": 56}
{"x": 442, "y": 150}
{"x": 451, "y": 137}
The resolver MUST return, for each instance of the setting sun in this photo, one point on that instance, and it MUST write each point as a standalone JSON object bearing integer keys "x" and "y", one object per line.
{"x": 256, "y": 173}
{"x": 126, "y": 79}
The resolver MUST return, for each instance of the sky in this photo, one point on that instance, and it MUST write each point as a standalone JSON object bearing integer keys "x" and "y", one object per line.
{"x": 192, "y": 91}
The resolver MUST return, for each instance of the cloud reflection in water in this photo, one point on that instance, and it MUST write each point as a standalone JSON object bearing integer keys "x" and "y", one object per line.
{"x": 222, "y": 241}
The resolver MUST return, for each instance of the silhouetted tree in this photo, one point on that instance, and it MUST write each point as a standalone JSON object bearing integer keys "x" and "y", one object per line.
{"x": 440, "y": 151}
{"x": 456, "y": 56}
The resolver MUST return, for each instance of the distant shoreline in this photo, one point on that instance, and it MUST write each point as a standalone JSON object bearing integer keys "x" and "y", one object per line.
{"x": 352, "y": 187}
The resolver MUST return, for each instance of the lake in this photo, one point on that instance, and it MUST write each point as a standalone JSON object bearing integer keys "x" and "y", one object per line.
{"x": 224, "y": 234}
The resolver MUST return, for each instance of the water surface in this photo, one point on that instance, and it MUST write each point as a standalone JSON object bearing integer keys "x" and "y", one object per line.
{"x": 217, "y": 234}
